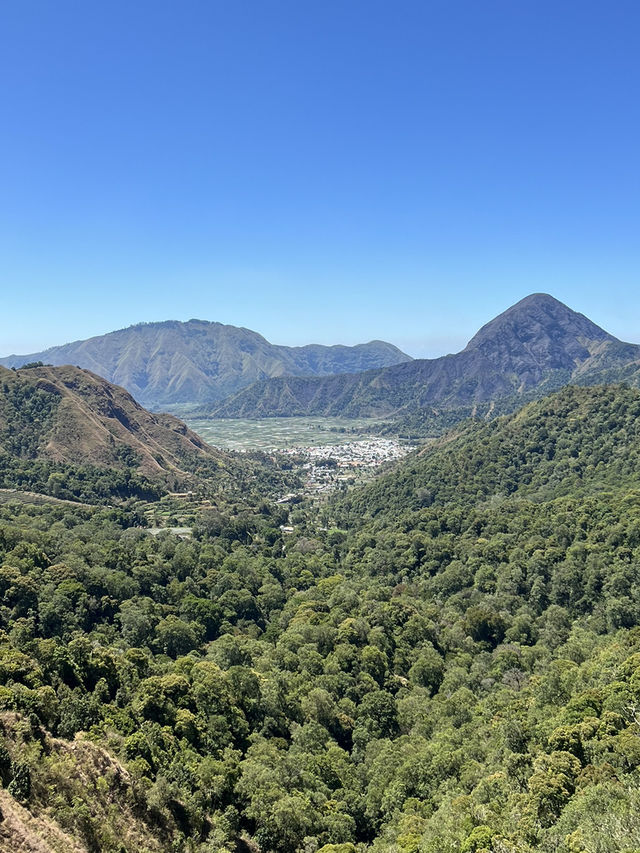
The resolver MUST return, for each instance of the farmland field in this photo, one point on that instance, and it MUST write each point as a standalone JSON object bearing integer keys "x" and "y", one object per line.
{"x": 271, "y": 433}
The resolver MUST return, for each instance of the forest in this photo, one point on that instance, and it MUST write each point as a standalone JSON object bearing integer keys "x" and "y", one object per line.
{"x": 447, "y": 659}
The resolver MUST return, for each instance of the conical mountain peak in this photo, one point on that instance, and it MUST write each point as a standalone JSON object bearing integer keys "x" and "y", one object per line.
{"x": 543, "y": 327}
{"x": 534, "y": 346}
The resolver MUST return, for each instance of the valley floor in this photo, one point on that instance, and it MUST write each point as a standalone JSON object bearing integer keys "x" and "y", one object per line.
{"x": 277, "y": 433}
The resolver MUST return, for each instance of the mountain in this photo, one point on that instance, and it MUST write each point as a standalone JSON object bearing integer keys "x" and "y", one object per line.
{"x": 534, "y": 347}
{"x": 164, "y": 364}
{"x": 577, "y": 441}
{"x": 71, "y": 417}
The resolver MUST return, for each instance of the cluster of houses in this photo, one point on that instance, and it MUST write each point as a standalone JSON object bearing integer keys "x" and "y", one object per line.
{"x": 328, "y": 466}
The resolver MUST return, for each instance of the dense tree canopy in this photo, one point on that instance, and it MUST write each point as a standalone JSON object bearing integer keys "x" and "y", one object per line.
{"x": 446, "y": 660}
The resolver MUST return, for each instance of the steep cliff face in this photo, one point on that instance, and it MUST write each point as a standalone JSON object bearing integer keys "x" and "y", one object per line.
{"x": 537, "y": 344}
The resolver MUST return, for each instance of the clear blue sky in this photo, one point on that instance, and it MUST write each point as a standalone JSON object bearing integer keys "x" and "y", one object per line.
{"x": 317, "y": 170}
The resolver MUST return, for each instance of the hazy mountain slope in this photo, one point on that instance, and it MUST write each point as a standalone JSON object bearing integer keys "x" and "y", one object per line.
{"x": 170, "y": 363}
{"x": 69, "y": 415}
{"x": 538, "y": 345}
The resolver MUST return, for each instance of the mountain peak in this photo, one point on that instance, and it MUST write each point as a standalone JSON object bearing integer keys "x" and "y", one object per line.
{"x": 539, "y": 299}
{"x": 544, "y": 327}
{"x": 535, "y": 345}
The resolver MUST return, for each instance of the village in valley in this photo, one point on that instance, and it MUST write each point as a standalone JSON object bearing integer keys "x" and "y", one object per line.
{"x": 330, "y": 453}
{"x": 332, "y": 466}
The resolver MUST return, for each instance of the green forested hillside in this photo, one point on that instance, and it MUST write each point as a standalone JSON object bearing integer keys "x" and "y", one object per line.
{"x": 68, "y": 433}
{"x": 448, "y": 660}
{"x": 577, "y": 441}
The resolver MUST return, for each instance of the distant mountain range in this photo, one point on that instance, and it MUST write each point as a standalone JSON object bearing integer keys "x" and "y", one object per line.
{"x": 171, "y": 363}
{"x": 535, "y": 347}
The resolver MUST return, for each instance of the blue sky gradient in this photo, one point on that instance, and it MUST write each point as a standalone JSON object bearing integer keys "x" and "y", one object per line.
{"x": 316, "y": 171}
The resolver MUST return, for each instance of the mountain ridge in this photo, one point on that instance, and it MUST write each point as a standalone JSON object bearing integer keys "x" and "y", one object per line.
{"x": 552, "y": 446}
{"x": 181, "y": 363}
{"x": 535, "y": 346}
